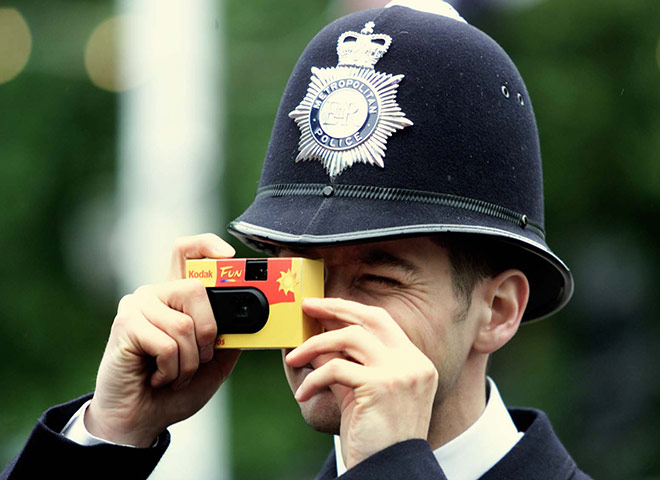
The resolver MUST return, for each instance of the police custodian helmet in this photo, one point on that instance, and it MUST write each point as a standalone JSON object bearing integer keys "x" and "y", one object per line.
{"x": 398, "y": 122}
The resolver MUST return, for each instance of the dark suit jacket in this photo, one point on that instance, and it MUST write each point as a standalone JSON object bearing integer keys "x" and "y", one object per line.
{"x": 48, "y": 454}
{"x": 539, "y": 455}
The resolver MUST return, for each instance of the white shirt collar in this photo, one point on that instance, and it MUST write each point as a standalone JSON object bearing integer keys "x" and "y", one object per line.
{"x": 485, "y": 442}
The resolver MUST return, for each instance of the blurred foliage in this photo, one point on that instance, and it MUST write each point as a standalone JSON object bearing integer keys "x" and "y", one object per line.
{"x": 57, "y": 135}
{"x": 593, "y": 71}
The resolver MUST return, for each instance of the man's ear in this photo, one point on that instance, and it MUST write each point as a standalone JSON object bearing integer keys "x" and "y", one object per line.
{"x": 506, "y": 299}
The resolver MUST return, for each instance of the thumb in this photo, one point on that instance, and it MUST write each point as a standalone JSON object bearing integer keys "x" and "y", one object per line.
{"x": 207, "y": 245}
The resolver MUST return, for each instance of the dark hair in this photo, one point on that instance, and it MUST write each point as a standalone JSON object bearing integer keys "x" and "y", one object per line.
{"x": 473, "y": 258}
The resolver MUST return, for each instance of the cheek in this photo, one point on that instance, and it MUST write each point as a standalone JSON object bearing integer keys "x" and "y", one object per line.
{"x": 433, "y": 328}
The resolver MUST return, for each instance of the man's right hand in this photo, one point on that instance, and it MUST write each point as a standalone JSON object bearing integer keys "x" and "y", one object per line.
{"x": 159, "y": 365}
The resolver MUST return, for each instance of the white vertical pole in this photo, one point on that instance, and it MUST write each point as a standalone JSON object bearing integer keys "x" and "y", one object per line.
{"x": 168, "y": 174}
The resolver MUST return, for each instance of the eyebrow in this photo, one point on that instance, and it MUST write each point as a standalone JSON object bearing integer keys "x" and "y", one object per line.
{"x": 381, "y": 258}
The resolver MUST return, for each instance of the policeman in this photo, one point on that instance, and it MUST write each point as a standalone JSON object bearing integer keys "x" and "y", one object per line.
{"x": 405, "y": 154}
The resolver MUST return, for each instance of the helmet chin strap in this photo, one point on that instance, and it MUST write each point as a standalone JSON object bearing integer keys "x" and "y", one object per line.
{"x": 429, "y": 6}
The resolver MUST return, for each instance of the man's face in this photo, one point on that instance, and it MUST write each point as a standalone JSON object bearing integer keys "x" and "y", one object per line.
{"x": 411, "y": 279}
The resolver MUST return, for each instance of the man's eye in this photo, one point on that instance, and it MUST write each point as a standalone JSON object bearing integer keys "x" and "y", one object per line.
{"x": 381, "y": 280}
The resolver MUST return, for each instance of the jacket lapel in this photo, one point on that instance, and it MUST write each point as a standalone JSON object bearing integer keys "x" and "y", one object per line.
{"x": 329, "y": 470}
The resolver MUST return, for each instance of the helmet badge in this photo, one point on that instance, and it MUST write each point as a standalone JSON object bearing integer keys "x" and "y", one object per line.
{"x": 350, "y": 110}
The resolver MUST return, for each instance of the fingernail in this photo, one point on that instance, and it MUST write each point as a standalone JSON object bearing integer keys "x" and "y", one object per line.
{"x": 206, "y": 354}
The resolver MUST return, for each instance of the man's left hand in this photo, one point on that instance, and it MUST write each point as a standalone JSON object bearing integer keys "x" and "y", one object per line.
{"x": 384, "y": 385}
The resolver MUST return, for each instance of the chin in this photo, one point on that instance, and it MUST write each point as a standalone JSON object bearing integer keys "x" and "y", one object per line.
{"x": 321, "y": 412}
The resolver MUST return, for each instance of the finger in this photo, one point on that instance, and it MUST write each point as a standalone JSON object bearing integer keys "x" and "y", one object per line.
{"x": 197, "y": 246}
{"x": 153, "y": 342}
{"x": 181, "y": 328}
{"x": 340, "y": 391}
{"x": 333, "y": 312}
{"x": 208, "y": 379}
{"x": 189, "y": 296}
{"x": 324, "y": 358}
{"x": 335, "y": 372}
{"x": 354, "y": 341}
{"x": 215, "y": 372}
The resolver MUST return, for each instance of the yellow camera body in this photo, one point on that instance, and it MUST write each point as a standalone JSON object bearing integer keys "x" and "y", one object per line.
{"x": 257, "y": 303}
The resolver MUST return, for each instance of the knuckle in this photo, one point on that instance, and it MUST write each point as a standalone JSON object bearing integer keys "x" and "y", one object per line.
{"x": 180, "y": 244}
{"x": 352, "y": 330}
{"x": 356, "y": 333}
{"x": 125, "y": 302}
{"x": 427, "y": 375}
{"x": 432, "y": 375}
{"x": 118, "y": 324}
{"x": 143, "y": 290}
{"x": 206, "y": 333}
{"x": 184, "y": 325}
{"x": 431, "y": 371}
{"x": 120, "y": 319}
{"x": 188, "y": 369}
{"x": 169, "y": 349}
{"x": 334, "y": 365}
{"x": 196, "y": 289}
{"x": 125, "y": 315}
{"x": 390, "y": 386}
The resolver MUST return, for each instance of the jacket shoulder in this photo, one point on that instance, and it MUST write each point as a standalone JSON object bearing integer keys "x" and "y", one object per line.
{"x": 539, "y": 454}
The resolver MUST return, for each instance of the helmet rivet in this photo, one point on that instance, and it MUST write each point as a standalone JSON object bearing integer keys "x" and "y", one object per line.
{"x": 523, "y": 221}
{"x": 328, "y": 191}
{"x": 521, "y": 101}
{"x": 505, "y": 91}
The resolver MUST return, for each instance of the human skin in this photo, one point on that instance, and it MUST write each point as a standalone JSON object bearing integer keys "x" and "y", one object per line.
{"x": 396, "y": 330}
{"x": 159, "y": 365}
{"x": 393, "y": 364}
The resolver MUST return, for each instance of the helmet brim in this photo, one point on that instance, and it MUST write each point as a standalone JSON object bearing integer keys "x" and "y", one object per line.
{"x": 324, "y": 222}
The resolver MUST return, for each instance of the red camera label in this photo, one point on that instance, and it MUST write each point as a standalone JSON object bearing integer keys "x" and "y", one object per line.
{"x": 230, "y": 271}
{"x": 280, "y": 287}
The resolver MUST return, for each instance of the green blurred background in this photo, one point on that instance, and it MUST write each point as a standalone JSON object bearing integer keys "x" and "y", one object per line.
{"x": 592, "y": 68}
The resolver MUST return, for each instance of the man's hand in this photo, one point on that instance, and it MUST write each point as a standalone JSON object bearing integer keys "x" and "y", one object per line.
{"x": 159, "y": 365}
{"x": 385, "y": 385}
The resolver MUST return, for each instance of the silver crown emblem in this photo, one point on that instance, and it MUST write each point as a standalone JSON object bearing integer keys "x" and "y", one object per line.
{"x": 350, "y": 110}
{"x": 362, "y": 49}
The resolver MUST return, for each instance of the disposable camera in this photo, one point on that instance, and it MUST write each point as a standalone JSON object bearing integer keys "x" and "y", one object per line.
{"x": 257, "y": 302}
